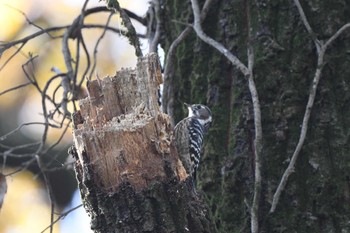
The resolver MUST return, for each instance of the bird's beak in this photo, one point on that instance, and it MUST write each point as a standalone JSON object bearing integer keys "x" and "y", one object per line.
{"x": 187, "y": 105}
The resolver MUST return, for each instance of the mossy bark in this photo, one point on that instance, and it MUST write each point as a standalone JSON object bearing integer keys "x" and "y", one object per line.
{"x": 316, "y": 198}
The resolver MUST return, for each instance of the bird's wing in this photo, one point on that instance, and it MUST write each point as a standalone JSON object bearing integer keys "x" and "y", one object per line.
{"x": 182, "y": 144}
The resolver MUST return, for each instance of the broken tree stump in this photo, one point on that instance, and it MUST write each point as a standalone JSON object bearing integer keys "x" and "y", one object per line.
{"x": 127, "y": 167}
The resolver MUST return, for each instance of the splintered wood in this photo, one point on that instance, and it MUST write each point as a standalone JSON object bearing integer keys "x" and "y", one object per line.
{"x": 120, "y": 132}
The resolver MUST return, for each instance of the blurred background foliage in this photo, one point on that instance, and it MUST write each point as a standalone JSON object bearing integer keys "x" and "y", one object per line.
{"x": 27, "y": 206}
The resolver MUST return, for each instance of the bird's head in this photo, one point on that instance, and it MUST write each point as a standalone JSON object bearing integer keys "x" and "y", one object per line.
{"x": 201, "y": 112}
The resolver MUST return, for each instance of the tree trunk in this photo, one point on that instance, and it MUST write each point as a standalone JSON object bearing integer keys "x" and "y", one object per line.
{"x": 316, "y": 198}
{"x": 128, "y": 170}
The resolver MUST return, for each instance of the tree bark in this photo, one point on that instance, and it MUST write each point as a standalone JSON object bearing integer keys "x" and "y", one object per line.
{"x": 128, "y": 170}
{"x": 317, "y": 193}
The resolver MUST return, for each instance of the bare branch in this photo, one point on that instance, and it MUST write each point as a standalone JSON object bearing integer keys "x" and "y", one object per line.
{"x": 61, "y": 136}
{"x": 72, "y": 32}
{"x": 307, "y": 25}
{"x": 11, "y": 152}
{"x": 62, "y": 216}
{"x": 154, "y": 40}
{"x": 206, "y": 7}
{"x": 15, "y": 88}
{"x": 139, "y": 19}
{"x": 257, "y": 160}
{"x": 49, "y": 190}
{"x": 25, "y": 16}
{"x": 45, "y": 114}
{"x": 97, "y": 44}
{"x": 12, "y": 56}
{"x": 304, "y": 128}
{"x": 248, "y": 73}
{"x": 5, "y": 46}
{"x": 198, "y": 29}
{"x": 254, "y": 212}
{"x": 88, "y": 61}
{"x": 336, "y": 35}
{"x": 321, "y": 50}
{"x": 3, "y": 137}
{"x": 23, "y": 166}
{"x": 167, "y": 102}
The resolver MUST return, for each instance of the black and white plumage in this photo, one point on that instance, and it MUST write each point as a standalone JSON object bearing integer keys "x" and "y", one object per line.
{"x": 189, "y": 134}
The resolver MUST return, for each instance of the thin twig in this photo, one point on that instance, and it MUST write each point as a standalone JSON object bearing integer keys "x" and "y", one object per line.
{"x": 23, "y": 146}
{"x": 23, "y": 166}
{"x": 336, "y": 35}
{"x": 62, "y": 216}
{"x": 25, "y": 16}
{"x": 24, "y": 40}
{"x": 3, "y": 137}
{"x": 61, "y": 136}
{"x": 11, "y": 149}
{"x": 88, "y": 61}
{"x": 45, "y": 113}
{"x": 49, "y": 190}
{"x": 12, "y": 56}
{"x": 30, "y": 74}
{"x": 7, "y": 45}
{"x": 31, "y": 77}
{"x": 72, "y": 32}
{"x": 97, "y": 44}
{"x": 80, "y": 39}
{"x": 67, "y": 55}
{"x": 54, "y": 157}
{"x": 15, "y": 88}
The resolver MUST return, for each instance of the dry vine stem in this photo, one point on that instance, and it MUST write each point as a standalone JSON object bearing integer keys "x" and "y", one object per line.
{"x": 321, "y": 50}
{"x": 248, "y": 73}
{"x": 167, "y": 100}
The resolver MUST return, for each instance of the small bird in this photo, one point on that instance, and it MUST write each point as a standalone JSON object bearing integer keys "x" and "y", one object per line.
{"x": 189, "y": 134}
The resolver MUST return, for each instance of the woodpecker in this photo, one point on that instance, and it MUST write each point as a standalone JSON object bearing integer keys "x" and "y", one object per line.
{"x": 189, "y": 134}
